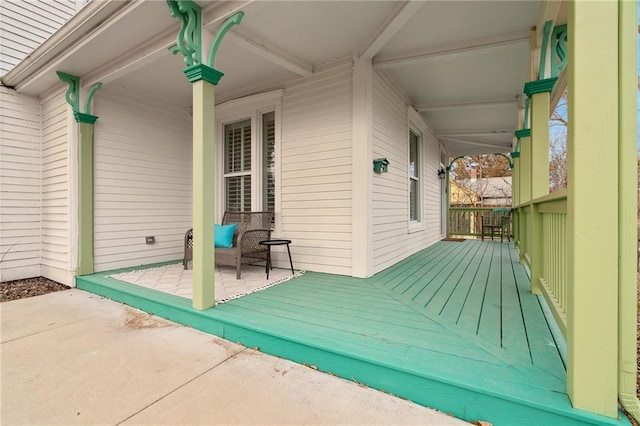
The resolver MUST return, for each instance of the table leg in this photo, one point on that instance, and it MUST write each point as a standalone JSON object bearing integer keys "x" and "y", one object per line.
{"x": 266, "y": 266}
{"x": 290, "y": 261}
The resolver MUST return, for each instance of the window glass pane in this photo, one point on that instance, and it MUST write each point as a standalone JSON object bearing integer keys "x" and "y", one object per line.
{"x": 238, "y": 193}
{"x": 237, "y": 147}
{"x": 269, "y": 161}
{"x": 414, "y": 177}
{"x": 413, "y": 200}
{"x": 237, "y": 162}
{"x": 413, "y": 155}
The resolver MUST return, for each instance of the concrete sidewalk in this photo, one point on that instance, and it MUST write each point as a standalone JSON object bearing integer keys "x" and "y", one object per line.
{"x": 75, "y": 358}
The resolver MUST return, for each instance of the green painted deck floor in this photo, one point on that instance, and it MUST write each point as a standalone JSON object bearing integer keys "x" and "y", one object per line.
{"x": 452, "y": 327}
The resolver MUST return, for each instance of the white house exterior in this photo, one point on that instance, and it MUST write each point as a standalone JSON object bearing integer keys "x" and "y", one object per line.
{"x": 34, "y": 214}
{"x": 142, "y": 162}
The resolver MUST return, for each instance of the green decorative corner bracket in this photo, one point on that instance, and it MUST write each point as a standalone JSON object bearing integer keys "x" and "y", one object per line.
{"x": 558, "y": 49}
{"x": 554, "y": 41}
{"x": 453, "y": 161}
{"x": 497, "y": 154}
{"x": 189, "y": 40}
{"x": 73, "y": 97}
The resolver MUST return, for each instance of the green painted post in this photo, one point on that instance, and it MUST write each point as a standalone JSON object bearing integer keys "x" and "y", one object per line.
{"x": 515, "y": 188}
{"x": 525, "y": 194}
{"x": 203, "y": 195}
{"x": 85, "y": 121}
{"x": 204, "y": 78}
{"x": 85, "y": 199}
{"x": 539, "y": 92}
{"x": 592, "y": 204}
{"x": 627, "y": 181}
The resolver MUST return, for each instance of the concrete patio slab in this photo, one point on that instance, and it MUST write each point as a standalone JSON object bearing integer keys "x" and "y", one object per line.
{"x": 275, "y": 391}
{"x": 75, "y": 358}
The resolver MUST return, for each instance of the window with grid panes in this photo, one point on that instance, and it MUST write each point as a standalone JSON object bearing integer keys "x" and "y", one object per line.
{"x": 237, "y": 166}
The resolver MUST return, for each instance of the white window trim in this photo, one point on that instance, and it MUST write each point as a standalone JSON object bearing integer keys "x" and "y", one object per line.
{"x": 252, "y": 107}
{"x": 415, "y": 225}
{"x": 416, "y": 124}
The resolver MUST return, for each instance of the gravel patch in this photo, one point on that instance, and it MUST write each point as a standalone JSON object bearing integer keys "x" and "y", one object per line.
{"x": 19, "y": 289}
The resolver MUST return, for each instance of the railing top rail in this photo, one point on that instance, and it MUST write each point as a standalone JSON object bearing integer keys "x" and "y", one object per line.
{"x": 475, "y": 208}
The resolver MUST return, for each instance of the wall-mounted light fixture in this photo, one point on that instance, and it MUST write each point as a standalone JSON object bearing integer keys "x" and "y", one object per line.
{"x": 380, "y": 165}
{"x": 441, "y": 173}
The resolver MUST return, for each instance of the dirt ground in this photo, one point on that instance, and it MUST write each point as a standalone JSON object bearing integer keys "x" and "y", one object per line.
{"x": 19, "y": 289}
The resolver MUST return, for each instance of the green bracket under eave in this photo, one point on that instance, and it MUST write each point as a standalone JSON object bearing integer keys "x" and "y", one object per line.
{"x": 73, "y": 97}
{"x": 189, "y": 40}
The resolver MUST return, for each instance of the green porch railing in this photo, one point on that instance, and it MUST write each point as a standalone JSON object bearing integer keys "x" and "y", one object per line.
{"x": 542, "y": 229}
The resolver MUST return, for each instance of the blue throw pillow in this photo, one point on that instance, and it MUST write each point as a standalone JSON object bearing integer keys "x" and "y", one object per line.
{"x": 223, "y": 235}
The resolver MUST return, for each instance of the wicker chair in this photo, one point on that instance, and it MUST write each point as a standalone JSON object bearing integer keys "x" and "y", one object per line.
{"x": 253, "y": 227}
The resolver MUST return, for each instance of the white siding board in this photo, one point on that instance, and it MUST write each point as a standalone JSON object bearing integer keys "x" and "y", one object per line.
{"x": 25, "y": 24}
{"x": 142, "y": 181}
{"x": 315, "y": 176}
{"x": 392, "y": 238}
{"x": 20, "y": 186}
{"x": 56, "y": 231}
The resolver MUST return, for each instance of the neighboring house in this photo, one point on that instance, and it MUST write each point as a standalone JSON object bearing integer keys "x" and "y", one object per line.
{"x": 481, "y": 192}
{"x": 312, "y": 94}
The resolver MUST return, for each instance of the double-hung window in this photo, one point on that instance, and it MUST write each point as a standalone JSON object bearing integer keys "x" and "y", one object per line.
{"x": 414, "y": 177}
{"x": 248, "y": 153}
{"x": 237, "y": 166}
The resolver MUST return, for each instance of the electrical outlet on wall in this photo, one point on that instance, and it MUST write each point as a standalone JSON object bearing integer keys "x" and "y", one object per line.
{"x": 150, "y": 240}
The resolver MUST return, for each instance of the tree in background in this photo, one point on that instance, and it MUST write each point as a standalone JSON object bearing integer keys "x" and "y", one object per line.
{"x": 558, "y": 146}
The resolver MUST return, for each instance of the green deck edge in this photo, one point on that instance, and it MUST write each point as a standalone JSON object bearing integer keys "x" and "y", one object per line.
{"x": 457, "y": 399}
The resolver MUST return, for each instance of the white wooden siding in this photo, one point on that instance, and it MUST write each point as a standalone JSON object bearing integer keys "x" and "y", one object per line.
{"x": 316, "y": 170}
{"x": 392, "y": 240}
{"x": 25, "y": 24}
{"x": 20, "y": 186}
{"x": 143, "y": 178}
{"x": 56, "y": 204}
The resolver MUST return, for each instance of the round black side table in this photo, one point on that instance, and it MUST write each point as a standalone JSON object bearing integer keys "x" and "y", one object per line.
{"x": 269, "y": 244}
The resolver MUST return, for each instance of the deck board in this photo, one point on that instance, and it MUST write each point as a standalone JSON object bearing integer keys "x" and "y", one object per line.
{"x": 514, "y": 333}
{"x": 453, "y": 326}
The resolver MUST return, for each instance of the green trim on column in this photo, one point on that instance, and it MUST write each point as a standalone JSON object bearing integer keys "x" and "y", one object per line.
{"x": 85, "y": 198}
{"x": 539, "y": 86}
{"x": 235, "y": 19}
{"x": 592, "y": 240}
{"x": 85, "y": 118}
{"x": 189, "y": 39}
{"x": 203, "y": 195}
{"x": 544, "y": 49}
{"x": 515, "y": 154}
{"x": 199, "y": 72}
{"x": 523, "y": 133}
{"x": 526, "y": 113}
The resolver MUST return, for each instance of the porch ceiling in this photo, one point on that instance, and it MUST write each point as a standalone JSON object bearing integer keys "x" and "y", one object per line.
{"x": 461, "y": 64}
